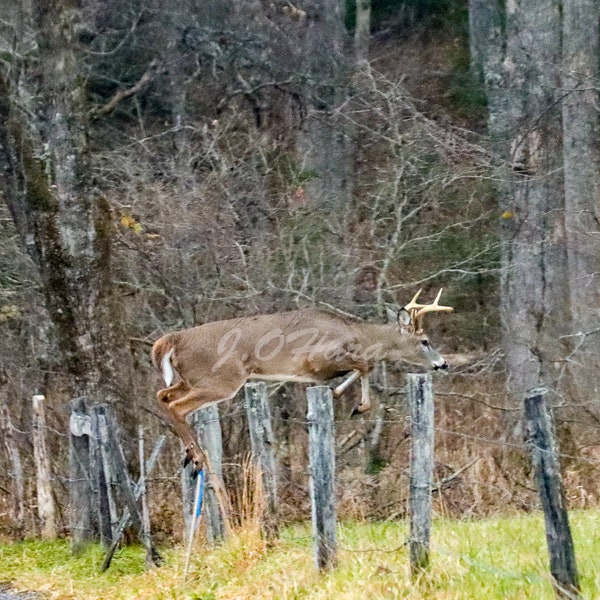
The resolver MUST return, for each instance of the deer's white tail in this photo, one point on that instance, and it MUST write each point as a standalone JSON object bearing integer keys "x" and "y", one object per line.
{"x": 167, "y": 368}
{"x": 162, "y": 351}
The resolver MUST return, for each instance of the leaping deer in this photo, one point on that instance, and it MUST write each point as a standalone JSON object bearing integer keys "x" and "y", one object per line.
{"x": 210, "y": 363}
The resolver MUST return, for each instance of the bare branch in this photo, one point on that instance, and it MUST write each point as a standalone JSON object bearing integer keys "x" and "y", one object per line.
{"x": 121, "y": 95}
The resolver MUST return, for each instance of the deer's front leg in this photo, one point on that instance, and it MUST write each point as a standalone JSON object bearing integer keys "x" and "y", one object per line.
{"x": 360, "y": 370}
{"x": 365, "y": 400}
{"x": 340, "y": 389}
{"x": 193, "y": 450}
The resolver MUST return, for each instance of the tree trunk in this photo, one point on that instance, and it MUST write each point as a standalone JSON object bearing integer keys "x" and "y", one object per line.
{"x": 63, "y": 222}
{"x": 17, "y": 506}
{"x": 324, "y": 142}
{"x": 485, "y": 39}
{"x": 362, "y": 31}
{"x": 523, "y": 83}
{"x": 581, "y": 153}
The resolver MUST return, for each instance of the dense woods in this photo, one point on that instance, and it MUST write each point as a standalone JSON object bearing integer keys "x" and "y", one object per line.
{"x": 165, "y": 164}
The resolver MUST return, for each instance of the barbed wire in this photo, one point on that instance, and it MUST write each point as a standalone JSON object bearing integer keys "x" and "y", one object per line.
{"x": 403, "y": 421}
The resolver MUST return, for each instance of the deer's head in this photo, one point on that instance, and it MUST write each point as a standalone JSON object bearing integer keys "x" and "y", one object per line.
{"x": 410, "y": 323}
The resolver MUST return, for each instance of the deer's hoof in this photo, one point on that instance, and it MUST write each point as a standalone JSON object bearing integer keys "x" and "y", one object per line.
{"x": 196, "y": 461}
{"x": 359, "y": 409}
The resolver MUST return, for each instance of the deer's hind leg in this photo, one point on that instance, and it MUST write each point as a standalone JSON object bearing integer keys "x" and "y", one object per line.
{"x": 179, "y": 403}
{"x": 185, "y": 432}
{"x": 174, "y": 390}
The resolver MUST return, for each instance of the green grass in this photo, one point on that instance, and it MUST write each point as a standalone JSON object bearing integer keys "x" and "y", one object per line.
{"x": 496, "y": 558}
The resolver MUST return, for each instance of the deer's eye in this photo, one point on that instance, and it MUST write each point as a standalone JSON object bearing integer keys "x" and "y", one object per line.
{"x": 425, "y": 343}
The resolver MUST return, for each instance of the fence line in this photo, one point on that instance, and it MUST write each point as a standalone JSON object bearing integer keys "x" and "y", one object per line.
{"x": 104, "y": 456}
{"x": 98, "y": 471}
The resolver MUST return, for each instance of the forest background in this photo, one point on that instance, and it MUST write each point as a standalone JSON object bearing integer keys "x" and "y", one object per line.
{"x": 164, "y": 164}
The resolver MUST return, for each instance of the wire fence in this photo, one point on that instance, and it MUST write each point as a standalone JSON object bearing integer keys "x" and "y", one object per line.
{"x": 461, "y": 465}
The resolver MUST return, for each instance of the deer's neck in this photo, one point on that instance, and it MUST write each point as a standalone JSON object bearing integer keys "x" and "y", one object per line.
{"x": 383, "y": 337}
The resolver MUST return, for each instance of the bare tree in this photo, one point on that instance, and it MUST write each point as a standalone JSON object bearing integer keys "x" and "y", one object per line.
{"x": 325, "y": 142}
{"x": 362, "y": 31}
{"x": 581, "y": 156}
{"x": 62, "y": 219}
{"x": 522, "y": 84}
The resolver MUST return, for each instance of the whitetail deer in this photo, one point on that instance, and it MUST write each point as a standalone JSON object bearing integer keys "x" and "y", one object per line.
{"x": 210, "y": 363}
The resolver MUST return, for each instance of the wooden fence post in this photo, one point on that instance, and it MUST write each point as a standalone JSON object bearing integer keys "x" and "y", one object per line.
{"x": 540, "y": 437}
{"x": 104, "y": 477}
{"x": 263, "y": 451}
{"x": 420, "y": 397}
{"x": 98, "y": 465}
{"x": 208, "y": 426}
{"x": 118, "y": 470}
{"x": 45, "y": 498}
{"x": 143, "y": 495}
{"x": 139, "y": 490}
{"x": 321, "y": 451}
{"x": 81, "y": 514}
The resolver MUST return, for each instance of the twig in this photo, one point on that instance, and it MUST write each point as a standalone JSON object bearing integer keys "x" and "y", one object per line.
{"x": 447, "y": 480}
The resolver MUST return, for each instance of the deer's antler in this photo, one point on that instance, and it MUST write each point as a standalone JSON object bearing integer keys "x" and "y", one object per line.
{"x": 417, "y": 311}
{"x": 413, "y": 305}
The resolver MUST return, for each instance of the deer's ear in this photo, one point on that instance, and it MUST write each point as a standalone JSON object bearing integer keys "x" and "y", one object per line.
{"x": 403, "y": 317}
{"x": 392, "y": 313}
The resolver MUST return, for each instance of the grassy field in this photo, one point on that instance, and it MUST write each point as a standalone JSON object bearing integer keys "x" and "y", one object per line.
{"x": 497, "y": 558}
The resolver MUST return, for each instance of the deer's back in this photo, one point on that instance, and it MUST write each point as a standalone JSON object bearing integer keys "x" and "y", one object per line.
{"x": 267, "y": 344}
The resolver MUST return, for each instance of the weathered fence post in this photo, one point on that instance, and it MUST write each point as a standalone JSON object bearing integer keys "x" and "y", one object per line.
{"x": 321, "y": 449}
{"x": 16, "y": 467}
{"x": 208, "y": 427}
{"x": 104, "y": 478}
{"x": 143, "y": 494}
{"x": 263, "y": 451}
{"x": 420, "y": 396}
{"x": 139, "y": 489}
{"x": 540, "y": 437}
{"x": 81, "y": 513}
{"x": 97, "y": 465}
{"x": 45, "y": 498}
{"x": 118, "y": 470}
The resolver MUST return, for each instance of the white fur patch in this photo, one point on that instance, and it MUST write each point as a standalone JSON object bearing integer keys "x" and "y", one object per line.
{"x": 167, "y": 368}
